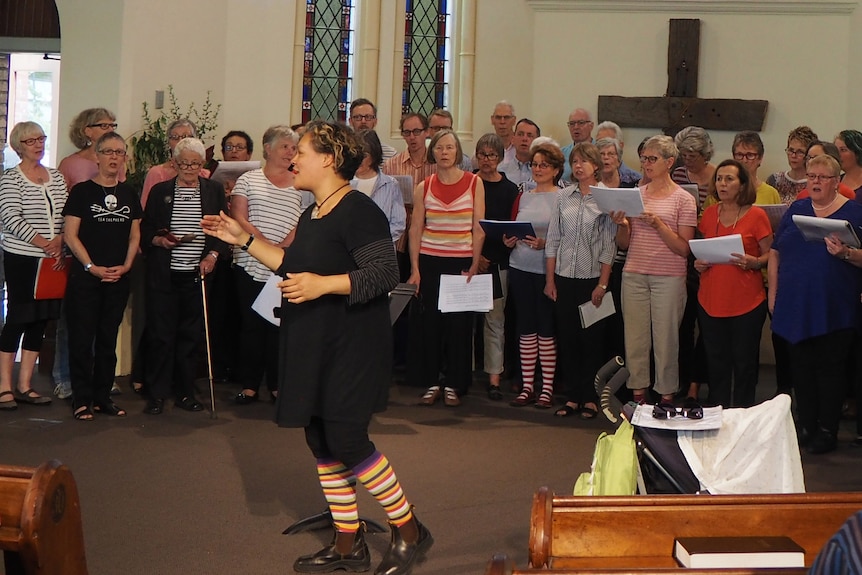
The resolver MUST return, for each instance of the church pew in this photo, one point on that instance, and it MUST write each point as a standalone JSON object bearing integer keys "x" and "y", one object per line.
{"x": 40, "y": 521}
{"x": 637, "y": 533}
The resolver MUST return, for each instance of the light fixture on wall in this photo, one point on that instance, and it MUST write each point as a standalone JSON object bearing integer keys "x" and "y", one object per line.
{"x": 51, "y": 57}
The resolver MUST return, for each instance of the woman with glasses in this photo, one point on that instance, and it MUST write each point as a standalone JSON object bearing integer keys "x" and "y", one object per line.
{"x": 654, "y": 275}
{"x": 731, "y": 299}
{"x": 267, "y": 205}
{"x": 790, "y": 182}
{"x": 176, "y": 131}
{"x": 445, "y": 238}
{"x": 31, "y": 212}
{"x": 578, "y": 259}
{"x": 103, "y": 219}
{"x": 537, "y": 343}
{"x": 178, "y": 256}
{"x": 813, "y": 295}
{"x": 500, "y": 194}
{"x": 748, "y": 150}
{"x": 849, "y": 144}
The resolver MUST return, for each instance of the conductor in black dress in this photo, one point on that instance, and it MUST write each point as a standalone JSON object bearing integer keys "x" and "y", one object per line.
{"x": 337, "y": 345}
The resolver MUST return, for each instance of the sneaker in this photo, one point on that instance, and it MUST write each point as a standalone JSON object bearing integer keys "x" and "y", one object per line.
{"x": 63, "y": 391}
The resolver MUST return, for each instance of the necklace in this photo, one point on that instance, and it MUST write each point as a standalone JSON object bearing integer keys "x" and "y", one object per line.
{"x": 315, "y": 212}
{"x": 110, "y": 198}
{"x": 720, "y": 209}
{"x": 829, "y": 205}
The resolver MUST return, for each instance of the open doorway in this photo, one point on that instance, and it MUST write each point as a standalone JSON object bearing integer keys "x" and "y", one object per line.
{"x": 33, "y": 95}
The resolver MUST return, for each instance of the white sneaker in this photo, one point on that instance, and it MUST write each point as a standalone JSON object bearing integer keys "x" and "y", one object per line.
{"x": 62, "y": 391}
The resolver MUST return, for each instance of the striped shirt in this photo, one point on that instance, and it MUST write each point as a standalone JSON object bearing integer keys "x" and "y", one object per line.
{"x": 186, "y": 219}
{"x": 28, "y": 209}
{"x": 449, "y": 224}
{"x": 402, "y": 165}
{"x": 272, "y": 210}
{"x": 648, "y": 254}
{"x": 842, "y": 554}
{"x": 580, "y": 236}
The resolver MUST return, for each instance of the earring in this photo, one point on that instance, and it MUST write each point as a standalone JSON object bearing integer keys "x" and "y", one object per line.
{"x": 89, "y": 143}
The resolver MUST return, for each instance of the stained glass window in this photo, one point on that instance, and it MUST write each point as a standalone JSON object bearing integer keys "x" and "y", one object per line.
{"x": 426, "y": 39}
{"x": 327, "y": 70}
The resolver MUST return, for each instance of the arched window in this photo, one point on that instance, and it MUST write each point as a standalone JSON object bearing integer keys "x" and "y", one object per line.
{"x": 328, "y": 59}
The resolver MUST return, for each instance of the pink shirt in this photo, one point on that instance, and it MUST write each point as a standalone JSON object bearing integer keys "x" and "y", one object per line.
{"x": 648, "y": 254}
{"x": 76, "y": 169}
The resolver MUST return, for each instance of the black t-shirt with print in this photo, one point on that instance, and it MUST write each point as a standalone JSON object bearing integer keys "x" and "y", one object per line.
{"x": 106, "y": 214}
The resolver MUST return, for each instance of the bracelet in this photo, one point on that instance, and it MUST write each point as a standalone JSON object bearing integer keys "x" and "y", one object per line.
{"x": 248, "y": 243}
{"x": 213, "y": 255}
{"x": 847, "y": 254}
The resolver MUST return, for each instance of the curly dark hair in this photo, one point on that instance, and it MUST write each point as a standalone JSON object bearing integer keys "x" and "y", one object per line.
{"x": 340, "y": 142}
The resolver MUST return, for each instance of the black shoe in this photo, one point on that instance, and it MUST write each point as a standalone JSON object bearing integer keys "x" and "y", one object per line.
{"x": 244, "y": 399}
{"x": 189, "y": 403}
{"x": 155, "y": 406}
{"x": 824, "y": 442}
{"x": 401, "y": 556}
{"x": 494, "y": 393}
{"x": 329, "y": 559}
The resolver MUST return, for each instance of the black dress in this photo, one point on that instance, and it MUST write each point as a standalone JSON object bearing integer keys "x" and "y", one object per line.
{"x": 335, "y": 360}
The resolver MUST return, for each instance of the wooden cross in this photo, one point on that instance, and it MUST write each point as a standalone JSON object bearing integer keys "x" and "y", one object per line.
{"x": 680, "y": 106}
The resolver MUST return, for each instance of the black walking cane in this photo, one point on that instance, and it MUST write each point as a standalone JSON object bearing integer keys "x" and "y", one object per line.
{"x": 209, "y": 352}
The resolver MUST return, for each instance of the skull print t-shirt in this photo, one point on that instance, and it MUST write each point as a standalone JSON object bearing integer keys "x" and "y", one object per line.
{"x": 106, "y": 214}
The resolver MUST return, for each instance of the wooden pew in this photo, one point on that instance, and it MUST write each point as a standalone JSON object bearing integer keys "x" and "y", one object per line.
{"x": 636, "y": 534}
{"x": 40, "y": 521}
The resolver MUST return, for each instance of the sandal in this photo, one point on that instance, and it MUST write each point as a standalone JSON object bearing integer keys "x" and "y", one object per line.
{"x": 30, "y": 396}
{"x": 83, "y": 413}
{"x": 589, "y": 412}
{"x": 546, "y": 400}
{"x": 8, "y": 404}
{"x": 109, "y": 408}
{"x": 526, "y": 397}
{"x": 567, "y": 411}
{"x": 450, "y": 397}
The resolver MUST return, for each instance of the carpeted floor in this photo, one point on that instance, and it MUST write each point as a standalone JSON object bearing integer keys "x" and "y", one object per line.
{"x": 185, "y": 493}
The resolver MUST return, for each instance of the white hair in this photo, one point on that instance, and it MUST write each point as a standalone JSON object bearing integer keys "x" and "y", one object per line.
{"x": 543, "y": 140}
{"x": 608, "y": 125}
{"x": 192, "y": 145}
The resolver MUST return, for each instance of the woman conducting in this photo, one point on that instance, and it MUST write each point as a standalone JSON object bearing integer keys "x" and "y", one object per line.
{"x": 337, "y": 345}
{"x": 31, "y": 206}
{"x": 814, "y": 299}
{"x": 731, "y": 298}
{"x": 103, "y": 230}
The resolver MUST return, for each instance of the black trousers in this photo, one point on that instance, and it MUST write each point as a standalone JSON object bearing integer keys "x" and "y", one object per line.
{"x": 258, "y": 339}
{"x": 439, "y": 341}
{"x": 733, "y": 355}
{"x": 344, "y": 441}
{"x": 579, "y": 350}
{"x": 175, "y": 331}
{"x": 224, "y": 317}
{"x": 819, "y": 369}
{"x": 94, "y": 311}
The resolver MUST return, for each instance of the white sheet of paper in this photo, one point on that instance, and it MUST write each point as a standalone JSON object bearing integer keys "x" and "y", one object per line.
{"x": 626, "y": 200}
{"x": 458, "y": 295}
{"x": 268, "y": 299}
{"x": 774, "y": 212}
{"x": 815, "y": 229}
{"x": 717, "y": 250}
{"x": 642, "y": 417}
{"x": 590, "y": 314}
{"x": 232, "y": 170}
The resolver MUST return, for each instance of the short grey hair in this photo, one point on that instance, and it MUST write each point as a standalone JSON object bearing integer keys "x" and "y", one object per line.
{"x": 664, "y": 145}
{"x": 192, "y": 145}
{"x": 603, "y": 143}
{"x": 24, "y": 131}
{"x": 507, "y": 104}
{"x": 182, "y": 122}
{"x": 543, "y": 140}
{"x": 608, "y": 125}
{"x": 493, "y": 141}
{"x": 695, "y": 139}
{"x": 275, "y": 133}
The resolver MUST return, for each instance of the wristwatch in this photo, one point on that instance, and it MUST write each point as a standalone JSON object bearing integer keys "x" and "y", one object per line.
{"x": 88, "y": 266}
{"x": 248, "y": 243}
{"x": 604, "y": 287}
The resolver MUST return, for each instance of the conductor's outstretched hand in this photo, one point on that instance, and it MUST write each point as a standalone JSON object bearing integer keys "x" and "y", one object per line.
{"x": 223, "y": 227}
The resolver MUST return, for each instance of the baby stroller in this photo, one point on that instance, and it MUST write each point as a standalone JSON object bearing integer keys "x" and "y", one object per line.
{"x": 729, "y": 460}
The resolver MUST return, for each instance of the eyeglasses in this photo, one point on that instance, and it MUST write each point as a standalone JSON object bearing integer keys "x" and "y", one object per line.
{"x": 649, "y": 160}
{"x": 498, "y": 118}
{"x": 363, "y": 117}
{"x": 118, "y": 153}
{"x": 436, "y": 129}
{"x": 819, "y": 177}
{"x": 794, "y": 152}
{"x": 540, "y": 165}
{"x": 104, "y": 125}
{"x": 578, "y": 123}
{"x": 177, "y": 137}
{"x": 750, "y": 156}
{"x": 189, "y": 165}
{"x": 667, "y": 411}
{"x": 489, "y": 156}
{"x": 236, "y": 148}
{"x": 31, "y": 141}
{"x": 415, "y": 132}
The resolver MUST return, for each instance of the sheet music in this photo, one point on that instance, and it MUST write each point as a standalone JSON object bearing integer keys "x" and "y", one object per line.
{"x": 457, "y": 295}
{"x": 717, "y": 250}
{"x": 627, "y": 200}
{"x": 815, "y": 229}
{"x": 230, "y": 171}
{"x": 269, "y": 299}
{"x": 590, "y": 314}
